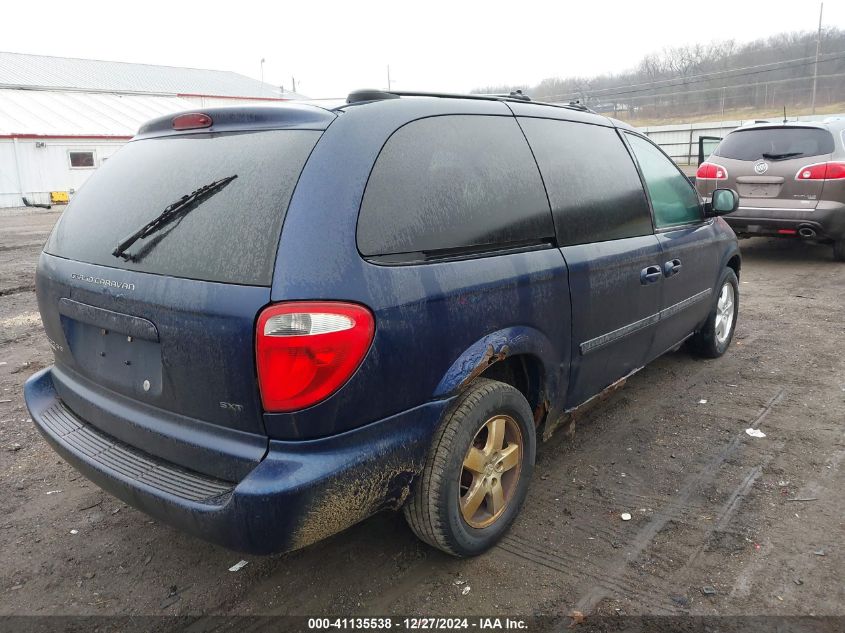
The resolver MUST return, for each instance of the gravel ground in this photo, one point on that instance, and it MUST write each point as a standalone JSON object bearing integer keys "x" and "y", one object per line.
{"x": 723, "y": 523}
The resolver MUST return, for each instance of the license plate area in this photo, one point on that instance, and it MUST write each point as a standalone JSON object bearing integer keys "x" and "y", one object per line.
{"x": 116, "y": 350}
{"x": 759, "y": 190}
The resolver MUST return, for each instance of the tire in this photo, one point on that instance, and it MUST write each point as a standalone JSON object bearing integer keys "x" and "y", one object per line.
{"x": 712, "y": 341}
{"x": 839, "y": 250}
{"x": 434, "y": 510}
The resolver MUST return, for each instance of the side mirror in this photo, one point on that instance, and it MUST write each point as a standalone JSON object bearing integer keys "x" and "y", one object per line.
{"x": 724, "y": 201}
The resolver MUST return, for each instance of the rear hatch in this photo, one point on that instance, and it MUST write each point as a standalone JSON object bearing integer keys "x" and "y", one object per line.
{"x": 167, "y": 321}
{"x": 763, "y": 163}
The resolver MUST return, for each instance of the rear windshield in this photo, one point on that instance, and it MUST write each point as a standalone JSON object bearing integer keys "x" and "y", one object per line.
{"x": 781, "y": 143}
{"x": 229, "y": 235}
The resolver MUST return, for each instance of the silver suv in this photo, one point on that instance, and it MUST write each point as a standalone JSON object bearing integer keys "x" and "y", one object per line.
{"x": 790, "y": 179}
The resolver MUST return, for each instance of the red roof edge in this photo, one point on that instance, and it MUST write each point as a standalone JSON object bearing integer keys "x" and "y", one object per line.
{"x": 79, "y": 136}
{"x": 188, "y": 94}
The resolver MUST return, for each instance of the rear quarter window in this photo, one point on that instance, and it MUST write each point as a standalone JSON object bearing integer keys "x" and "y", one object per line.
{"x": 593, "y": 185}
{"x": 775, "y": 143}
{"x": 229, "y": 237}
{"x": 452, "y": 183}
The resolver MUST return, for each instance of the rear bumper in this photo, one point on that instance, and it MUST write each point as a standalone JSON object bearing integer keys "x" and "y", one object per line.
{"x": 827, "y": 220}
{"x": 299, "y": 493}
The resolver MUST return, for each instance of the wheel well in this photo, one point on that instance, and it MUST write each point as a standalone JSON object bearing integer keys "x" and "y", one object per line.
{"x": 525, "y": 373}
{"x": 735, "y": 264}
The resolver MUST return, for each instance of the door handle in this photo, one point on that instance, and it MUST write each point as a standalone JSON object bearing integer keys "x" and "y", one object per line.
{"x": 650, "y": 275}
{"x": 672, "y": 268}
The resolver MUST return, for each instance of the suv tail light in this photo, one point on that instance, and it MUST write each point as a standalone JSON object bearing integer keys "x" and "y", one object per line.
{"x": 711, "y": 171}
{"x": 822, "y": 171}
{"x": 305, "y": 351}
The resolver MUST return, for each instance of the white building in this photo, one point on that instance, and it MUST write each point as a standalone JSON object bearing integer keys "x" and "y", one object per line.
{"x": 61, "y": 118}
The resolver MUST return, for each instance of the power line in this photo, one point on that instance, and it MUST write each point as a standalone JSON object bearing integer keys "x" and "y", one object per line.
{"x": 720, "y": 72}
{"x": 743, "y": 86}
{"x": 679, "y": 82}
{"x": 651, "y": 85}
{"x": 693, "y": 79}
{"x": 734, "y": 97}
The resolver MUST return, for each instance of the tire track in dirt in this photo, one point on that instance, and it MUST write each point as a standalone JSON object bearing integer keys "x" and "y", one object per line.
{"x": 742, "y": 584}
{"x": 648, "y": 591}
{"x": 725, "y": 515}
{"x": 577, "y": 569}
{"x": 17, "y": 289}
{"x": 19, "y": 247}
{"x": 595, "y": 594}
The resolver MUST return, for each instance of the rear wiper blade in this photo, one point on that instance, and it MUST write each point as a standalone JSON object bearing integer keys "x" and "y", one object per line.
{"x": 781, "y": 156}
{"x": 182, "y": 206}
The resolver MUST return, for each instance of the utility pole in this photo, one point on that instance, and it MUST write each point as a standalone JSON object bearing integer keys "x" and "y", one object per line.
{"x": 388, "y": 77}
{"x": 816, "y": 65}
{"x": 262, "y": 70}
{"x": 293, "y": 83}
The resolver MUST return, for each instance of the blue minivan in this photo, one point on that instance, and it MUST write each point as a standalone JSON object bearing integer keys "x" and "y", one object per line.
{"x": 270, "y": 323}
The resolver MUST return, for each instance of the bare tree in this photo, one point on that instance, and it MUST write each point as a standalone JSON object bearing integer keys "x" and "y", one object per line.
{"x": 702, "y": 78}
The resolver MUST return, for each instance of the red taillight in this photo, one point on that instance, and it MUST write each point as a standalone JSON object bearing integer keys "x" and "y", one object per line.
{"x": 787, "y": 231}
{"x": 822, "y": 171}
{"x": 711, "y": 171}
{"x": 305, "y": 351}
{"x": 191, "y": 121}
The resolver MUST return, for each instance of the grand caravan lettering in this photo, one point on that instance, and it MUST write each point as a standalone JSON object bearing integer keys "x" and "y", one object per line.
{"x": 110, "y": 283}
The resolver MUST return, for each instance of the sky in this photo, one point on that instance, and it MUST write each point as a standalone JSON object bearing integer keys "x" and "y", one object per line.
{"x": 332, "y": 47}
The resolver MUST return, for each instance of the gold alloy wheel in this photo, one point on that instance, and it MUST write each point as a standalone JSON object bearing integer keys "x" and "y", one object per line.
{"x": 490, "y": 471}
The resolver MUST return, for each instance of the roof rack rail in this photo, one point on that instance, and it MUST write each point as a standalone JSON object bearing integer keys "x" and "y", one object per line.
{"x": 577, "y": 105}
{"x": 375, "y": 95}
{"x": 513, "y": 94}
{"x": 358, "y": 96}
{"x": 458, "y": 95}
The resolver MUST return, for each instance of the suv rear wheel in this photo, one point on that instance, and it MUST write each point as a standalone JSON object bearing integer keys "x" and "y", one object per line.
{"x": 715, "y": 337}
{"x": 477, "y": 472}
{"x": 839, "y": 250}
